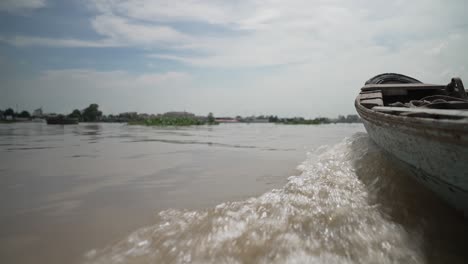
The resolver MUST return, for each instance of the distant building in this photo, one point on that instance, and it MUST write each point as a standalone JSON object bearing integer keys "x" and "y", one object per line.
{"x": 226, "y": 120}
{"x": 37, "y": 113}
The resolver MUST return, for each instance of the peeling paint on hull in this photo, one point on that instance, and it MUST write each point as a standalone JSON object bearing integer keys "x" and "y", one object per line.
{"x": 435, "y": 151}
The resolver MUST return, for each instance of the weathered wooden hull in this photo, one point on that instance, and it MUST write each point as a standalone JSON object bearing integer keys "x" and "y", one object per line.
{"x": 436, "y": 151}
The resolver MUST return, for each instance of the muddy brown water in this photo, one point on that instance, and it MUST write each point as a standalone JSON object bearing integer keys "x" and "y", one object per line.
{"x": 234, "y": 193}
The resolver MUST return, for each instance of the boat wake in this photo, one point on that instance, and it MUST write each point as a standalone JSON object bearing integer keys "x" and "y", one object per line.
{"x": 349, "y": 205}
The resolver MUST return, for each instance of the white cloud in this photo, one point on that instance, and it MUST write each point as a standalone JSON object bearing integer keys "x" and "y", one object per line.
{"x": 115, "y": 78}
{"x": 212, "y": 11}
{"x": 271, "y": 32}
{"x": 25, "y": 41}
{"x": 123, "y": 31}
{"x": 21, "y": 5}
{"x": 116, "y": 31}
{"x": 286, "y": 57}
{"x": 265, "y": 32}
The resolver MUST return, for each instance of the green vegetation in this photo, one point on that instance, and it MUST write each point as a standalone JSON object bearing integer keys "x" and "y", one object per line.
{"x": 76, "y": 114}
{"x": 24, "y": 114}
{"x": 9, "y": 112}
{"x": 302, "y": 121}
{"x": 91, "y": 113}
{"x": 298, "y": 120}
{"x": 173, "y": 118}
{"x": 315, "y": 121}
{"x": 10, "y": 116}
{"x": 211, "y": 119}
{"x": 169, "y": 121}
{"x": 273, "y": 119}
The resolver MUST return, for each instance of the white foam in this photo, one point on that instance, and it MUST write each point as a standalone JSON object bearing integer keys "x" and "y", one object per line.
{"x": 325, "y": 215}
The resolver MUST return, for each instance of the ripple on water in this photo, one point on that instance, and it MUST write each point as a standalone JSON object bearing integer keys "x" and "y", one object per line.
{"x": 331, "y": 213}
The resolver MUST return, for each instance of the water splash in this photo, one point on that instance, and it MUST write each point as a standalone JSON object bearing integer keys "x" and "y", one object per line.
{"x": 334, "y": 212}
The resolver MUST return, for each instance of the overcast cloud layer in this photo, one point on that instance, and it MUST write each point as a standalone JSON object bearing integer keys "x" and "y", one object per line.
{"x": 289, "y": 58}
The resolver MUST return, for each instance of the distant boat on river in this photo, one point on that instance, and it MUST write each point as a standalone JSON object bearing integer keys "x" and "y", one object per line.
{"x": 61, "y": 120}
{"x": 423, "y": 125}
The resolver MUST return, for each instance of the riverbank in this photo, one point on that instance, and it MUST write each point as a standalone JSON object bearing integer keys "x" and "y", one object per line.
{"x": 172, "y": 121}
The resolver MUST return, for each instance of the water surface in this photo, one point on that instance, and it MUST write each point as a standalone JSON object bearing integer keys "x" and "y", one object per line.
{"x": 235, "y": 193}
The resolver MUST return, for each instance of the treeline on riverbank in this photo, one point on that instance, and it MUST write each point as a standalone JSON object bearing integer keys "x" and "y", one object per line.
{"x": 314, "y": 121}
{"x": 93, "y": 114}
{"x": 9, "y": 115}
{"x": 175, "y": 121}
{"x": 89, "y": 114}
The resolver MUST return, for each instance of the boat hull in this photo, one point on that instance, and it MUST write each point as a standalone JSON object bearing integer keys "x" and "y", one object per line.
{"x": 435, "y": 151}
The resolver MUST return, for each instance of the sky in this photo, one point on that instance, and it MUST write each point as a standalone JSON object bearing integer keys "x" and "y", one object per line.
{"x": 254, "y": 57}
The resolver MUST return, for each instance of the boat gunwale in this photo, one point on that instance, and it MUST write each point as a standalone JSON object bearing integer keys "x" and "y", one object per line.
{"x": 446, "y": 130}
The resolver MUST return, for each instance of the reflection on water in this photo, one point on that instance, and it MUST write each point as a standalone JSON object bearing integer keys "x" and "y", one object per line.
{"x": 101, "y": 193}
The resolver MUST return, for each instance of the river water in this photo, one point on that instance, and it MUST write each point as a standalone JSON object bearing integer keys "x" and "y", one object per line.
{"x": 233, "y": 193}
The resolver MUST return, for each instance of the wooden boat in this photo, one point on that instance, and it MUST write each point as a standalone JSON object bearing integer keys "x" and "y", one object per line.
{"x": 61, "y": 120}
{"x": 425, "y": 126}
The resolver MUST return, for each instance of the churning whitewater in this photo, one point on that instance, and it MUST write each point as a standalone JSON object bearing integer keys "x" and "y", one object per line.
{"x": 349, "y": 205}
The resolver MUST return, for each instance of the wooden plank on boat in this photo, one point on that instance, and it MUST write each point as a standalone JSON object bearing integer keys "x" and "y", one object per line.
{"x": 369, "y": 103}
{"x": 405, "y": 86}
{"x": 372, "y": 95}
{"x": 440, "y": 112}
